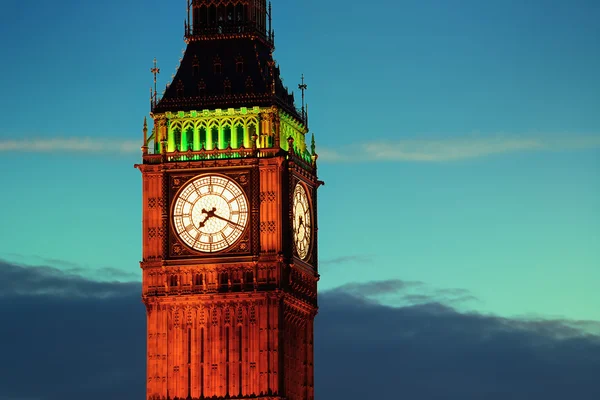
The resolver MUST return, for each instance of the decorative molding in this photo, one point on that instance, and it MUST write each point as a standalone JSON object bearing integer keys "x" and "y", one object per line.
{"x": 267, "y": 197}
{"x": 268, "y": 226}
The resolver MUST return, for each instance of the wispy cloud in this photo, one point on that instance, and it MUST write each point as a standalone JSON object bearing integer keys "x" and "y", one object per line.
{"x": 347, "y": 259}
{"x": 455, "y": 148}
{"x": 406, "y": 149}
{"x": 75, "y": 145}
{"x": 406, "y": 293}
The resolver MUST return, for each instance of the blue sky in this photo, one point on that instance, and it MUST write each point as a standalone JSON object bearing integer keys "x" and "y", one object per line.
{"x": 464, "y": 137}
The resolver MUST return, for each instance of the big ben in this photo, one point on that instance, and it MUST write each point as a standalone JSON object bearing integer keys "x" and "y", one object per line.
{"x": 229, "y": 224}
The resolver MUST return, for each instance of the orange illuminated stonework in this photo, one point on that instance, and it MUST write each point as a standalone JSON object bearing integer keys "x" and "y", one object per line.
{"x": 229, "y": 220}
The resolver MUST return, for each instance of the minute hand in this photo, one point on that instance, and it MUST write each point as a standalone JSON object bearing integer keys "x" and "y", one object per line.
{"x": 226, "y": 220}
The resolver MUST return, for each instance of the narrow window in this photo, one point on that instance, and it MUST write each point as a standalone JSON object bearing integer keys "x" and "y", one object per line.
{"x": 227, "y": 86}
{"x": 239, "y": 137}
{"x": 177, "y": 138}
{"x": 240, "y": 344}
{"x": 202, "y": 345}
{"x": 215, "y": 137}
{"x": 227, "y": 358}
{"x": 202, "y": 134}
{"x": 240, "y": 347}
{"x": 227, "y": 344}
{"x": 217, "y": 65}
{"x": 202, "y": 88}
{"x": 189, "y": 138}
{"x": 226, "y": 137}
{"x": 189, "y": 345}
{"x": 203, "y": 16}
{"x": 239, "y": 13}
{"x": 196, "y": 66}
{"x": 239, "y": 65}
{"x": 249, "y": 85}
{"x": 180, "y": 91}
{"x": 252, "y": 132}
{"x": 212, "y": 15}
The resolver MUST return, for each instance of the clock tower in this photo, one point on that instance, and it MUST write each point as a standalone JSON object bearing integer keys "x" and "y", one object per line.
{"x": 229, "y": 224}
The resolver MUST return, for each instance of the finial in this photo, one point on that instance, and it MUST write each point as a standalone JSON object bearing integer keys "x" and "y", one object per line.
{"x": 155, "y": 71}
{"x": 306, "y": 116}
{"x": 187, "y": 25}
{"x": 302, "y": 86}
{"x": 145, "y": 130}
{"x": 313, "y": 146}
{"x": 270, "y": 33}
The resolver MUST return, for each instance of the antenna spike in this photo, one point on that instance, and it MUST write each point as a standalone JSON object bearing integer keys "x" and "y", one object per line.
{"x": 155, "y": 71}
{"x": 302, "y": 86}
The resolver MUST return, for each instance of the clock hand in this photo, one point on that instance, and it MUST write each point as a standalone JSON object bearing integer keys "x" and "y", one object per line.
{"x": 300, "y": 224}
{"x": 209, "y": 214}
{"x": 226, "y": 220}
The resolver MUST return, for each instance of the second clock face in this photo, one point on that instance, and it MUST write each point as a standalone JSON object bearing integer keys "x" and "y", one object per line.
{"x": 210, "y": 213}
{"x": 302, "y": 224}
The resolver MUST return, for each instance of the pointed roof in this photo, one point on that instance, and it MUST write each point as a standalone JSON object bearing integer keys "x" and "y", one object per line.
{"x": 230, "y": 72}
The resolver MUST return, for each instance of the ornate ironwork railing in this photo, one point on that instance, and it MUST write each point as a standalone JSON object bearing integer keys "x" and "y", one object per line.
{"x": 222, "y": 154}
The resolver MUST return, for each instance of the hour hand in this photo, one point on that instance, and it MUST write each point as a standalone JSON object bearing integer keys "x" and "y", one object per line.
{"x": 209, "y": 214}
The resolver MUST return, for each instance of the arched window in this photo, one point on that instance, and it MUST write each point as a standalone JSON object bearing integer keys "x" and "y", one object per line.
{"x": 212, "y": 16}
{"x": 196, "y": 66}
{"x": 239, "y": 13}
{"x": 189, "y": 138}
{"x": 239, "y": 65}
{"x": 239, "y": 137}
{"x": 177, "y": 138}
{"x": 224, "y": 279}
{"x": 226, "y": 137}
{"x": 230, "y": 16}
{"x": 220, "y": 18}
{"x": 217, "y": 65}
{"x": 215, "y": 137}
{"x": 180, "y": 91}
{"x": 252, "y": 132}
{"x": 202, "y": 88}
{"x": 203, "y": 11}
{"x": 202, "y": 136}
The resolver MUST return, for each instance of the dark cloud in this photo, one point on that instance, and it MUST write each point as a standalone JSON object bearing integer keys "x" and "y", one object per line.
{"x": 18, "y": 280}
{"x": 405, "y": 293}
{"x": 102, "y": 273}
{"x": 377, "y": 288}
{"x": 85, "y": 339}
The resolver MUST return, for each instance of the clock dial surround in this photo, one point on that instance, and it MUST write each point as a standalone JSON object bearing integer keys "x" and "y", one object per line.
{"x": 210, "y": 213}
{"x": 302, "y": 221}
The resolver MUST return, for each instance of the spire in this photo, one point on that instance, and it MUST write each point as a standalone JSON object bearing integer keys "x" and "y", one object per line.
{"x": 155, "y": 71}
{"x": 145, "y": 143}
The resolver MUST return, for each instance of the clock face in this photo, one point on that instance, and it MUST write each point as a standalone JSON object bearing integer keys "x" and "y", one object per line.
{"x": 302, "y": 224}
{"x": 210, "y": 213}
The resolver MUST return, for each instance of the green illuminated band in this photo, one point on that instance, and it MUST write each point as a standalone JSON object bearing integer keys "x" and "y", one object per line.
{"x": 227, "y": 129}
